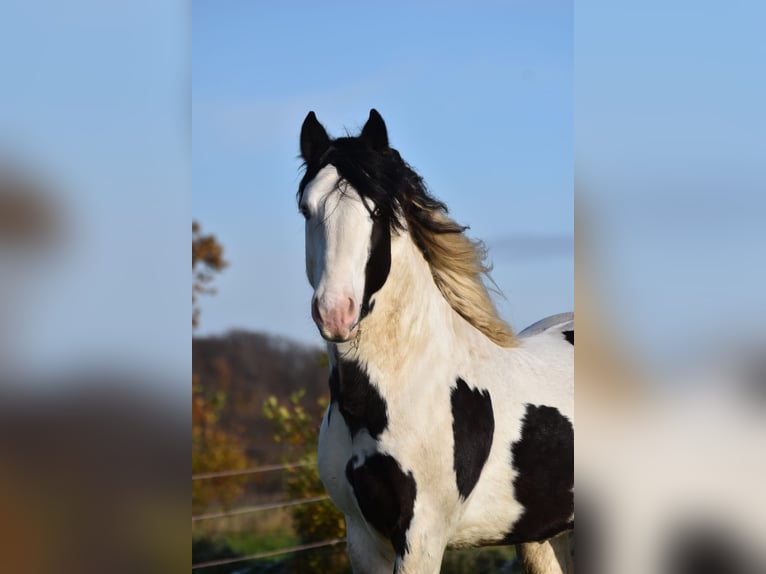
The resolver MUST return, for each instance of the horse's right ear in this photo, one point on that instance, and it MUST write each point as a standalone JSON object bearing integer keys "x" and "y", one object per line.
{"x": 374, "y": 131}
{"x": 314, "y": 139}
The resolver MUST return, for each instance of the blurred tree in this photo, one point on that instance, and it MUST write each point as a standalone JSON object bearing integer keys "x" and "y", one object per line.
{"x": 213, "y": 449}
{"x": 297, "y": 430}
{"x": 207, "y": 260}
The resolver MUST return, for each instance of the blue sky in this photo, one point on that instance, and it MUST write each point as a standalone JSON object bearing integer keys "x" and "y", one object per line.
{"x": 478, "y": 100}
{"x": 669, "y": 132}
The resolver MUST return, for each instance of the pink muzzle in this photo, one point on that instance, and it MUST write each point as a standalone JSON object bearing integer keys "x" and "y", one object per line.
{"x": 337, "y": 320}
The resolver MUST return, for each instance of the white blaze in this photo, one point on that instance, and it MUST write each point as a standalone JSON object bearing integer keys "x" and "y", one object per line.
{"x": 337, "y": 241}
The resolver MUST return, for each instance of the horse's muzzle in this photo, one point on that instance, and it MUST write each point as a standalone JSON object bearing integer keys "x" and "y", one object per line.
{"x": 337, "y": 322}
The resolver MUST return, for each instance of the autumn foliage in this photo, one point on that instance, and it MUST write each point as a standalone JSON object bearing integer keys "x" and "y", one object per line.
{"x": 297, "y": 429}
{"x": 213, "y": 448}
{"x": 207, "y": 260}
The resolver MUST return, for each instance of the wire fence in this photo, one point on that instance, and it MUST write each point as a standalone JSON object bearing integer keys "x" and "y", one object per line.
{"x": 254, "y": 470}
{"x": 259, "y": 508}
{"x": 268, "y": 554}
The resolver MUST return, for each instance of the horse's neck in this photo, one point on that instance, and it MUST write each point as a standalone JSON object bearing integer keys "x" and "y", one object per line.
{"x": 409, "y": 314}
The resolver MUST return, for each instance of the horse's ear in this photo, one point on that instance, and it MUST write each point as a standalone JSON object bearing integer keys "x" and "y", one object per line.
{"x": 374, "y": 131}
{"x": 314, "y": 139}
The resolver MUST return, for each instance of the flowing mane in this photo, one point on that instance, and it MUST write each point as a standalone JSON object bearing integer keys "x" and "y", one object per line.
{"x": 457, "y": 264}
{"x": 401, "y": 198}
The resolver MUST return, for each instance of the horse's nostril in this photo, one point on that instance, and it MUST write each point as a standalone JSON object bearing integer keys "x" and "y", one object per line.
{"x": 351, "y": 308}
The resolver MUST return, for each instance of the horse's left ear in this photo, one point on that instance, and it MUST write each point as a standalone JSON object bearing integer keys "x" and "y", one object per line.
{"x": 374, "y": 131}
{"x": 314, "y": 139}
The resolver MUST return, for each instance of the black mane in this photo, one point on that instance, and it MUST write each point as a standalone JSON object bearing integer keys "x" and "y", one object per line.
{"x": 384, "y": 178}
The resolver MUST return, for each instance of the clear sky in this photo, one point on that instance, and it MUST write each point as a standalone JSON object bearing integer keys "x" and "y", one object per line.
{"x": 669, "y": 131}
{"x": 670, "y": 136}
{"x": 478, "y": 99}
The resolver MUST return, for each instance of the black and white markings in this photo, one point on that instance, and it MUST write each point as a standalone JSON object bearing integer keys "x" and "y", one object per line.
{"x": 386, "y": 496}
{"x": 378, "y": 264}
{"x": 359, "y": 401}
{"x": 544, "y": 461}
{"x": 473, "y": 427}
{"x": 569, "y": 336}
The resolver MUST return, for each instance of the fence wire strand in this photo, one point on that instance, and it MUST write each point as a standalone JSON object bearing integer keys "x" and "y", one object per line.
{"x": 254, "y": 470}
{"x": 267, "y": 554}
{"x": 258, "y": 508}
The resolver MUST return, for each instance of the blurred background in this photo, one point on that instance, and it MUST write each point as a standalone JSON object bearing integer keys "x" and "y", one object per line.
{"x": 119, "y": 123}
{"x": 670, "y": 381}
{"x": 95, "y": 356}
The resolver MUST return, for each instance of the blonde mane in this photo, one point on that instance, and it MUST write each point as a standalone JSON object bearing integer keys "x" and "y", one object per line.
{"x": 457, "y": 265}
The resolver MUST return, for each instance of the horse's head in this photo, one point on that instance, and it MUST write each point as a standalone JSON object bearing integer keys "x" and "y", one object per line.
{"x": 348, "y": 214}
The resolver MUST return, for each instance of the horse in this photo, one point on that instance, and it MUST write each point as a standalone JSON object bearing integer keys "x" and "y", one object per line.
{"x": 445, "y": 429}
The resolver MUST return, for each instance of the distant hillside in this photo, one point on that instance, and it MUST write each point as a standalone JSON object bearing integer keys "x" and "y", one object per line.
{"x": 248, "y": 367}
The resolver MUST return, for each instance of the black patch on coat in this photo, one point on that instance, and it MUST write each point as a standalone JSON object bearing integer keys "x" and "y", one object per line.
{"x": 334, "y": 390}
{"x": 334, "y": 384}
{"x": 544, "y": 460}
{"x": 359, "y": 401}
{"x": 473, "y": 427}
{"x": 386, "y": 497}
{"x": 569, "y": 336}
{"x": 378, "y": 263}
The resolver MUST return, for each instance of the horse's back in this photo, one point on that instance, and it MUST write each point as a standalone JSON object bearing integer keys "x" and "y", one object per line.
{"x": 548, "y": 348}
{"x": 561, "y": 322}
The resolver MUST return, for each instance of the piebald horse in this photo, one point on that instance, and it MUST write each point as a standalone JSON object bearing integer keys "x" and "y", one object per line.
{"x": 444, "y": 429}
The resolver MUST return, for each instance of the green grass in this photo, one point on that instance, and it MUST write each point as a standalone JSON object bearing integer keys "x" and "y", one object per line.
{"x": 252, "y": 543}
{"x": 232, "y": 544}
{"x": 489, "y": 560}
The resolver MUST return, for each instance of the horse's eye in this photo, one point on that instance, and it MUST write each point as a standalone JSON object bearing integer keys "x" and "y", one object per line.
{"x": 305, "y": 212}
